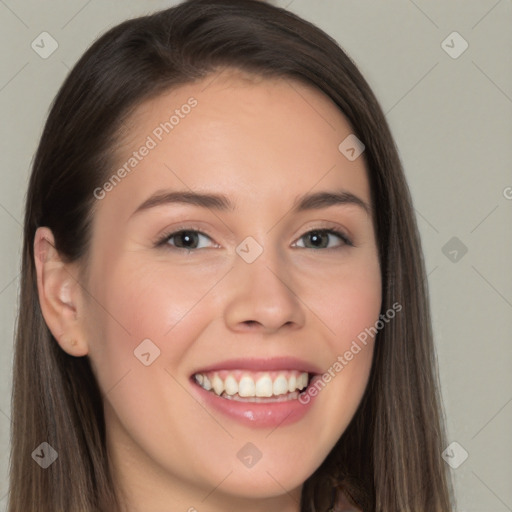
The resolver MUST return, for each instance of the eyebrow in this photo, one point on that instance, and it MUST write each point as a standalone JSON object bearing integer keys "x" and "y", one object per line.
{"x": 315, "y": 201}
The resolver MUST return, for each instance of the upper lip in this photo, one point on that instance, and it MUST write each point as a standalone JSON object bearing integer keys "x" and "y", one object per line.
{"x": 262, "y": 364}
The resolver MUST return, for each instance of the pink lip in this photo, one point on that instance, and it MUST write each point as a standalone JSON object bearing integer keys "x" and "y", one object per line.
{"x": 253, "y": 414}
{"x": 261, "y": 364}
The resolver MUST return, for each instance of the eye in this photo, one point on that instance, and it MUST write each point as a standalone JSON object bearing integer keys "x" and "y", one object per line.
{"x": 319, "y": 236}
{"x": 183, "y": 239}
{"x": 190, "y": 239}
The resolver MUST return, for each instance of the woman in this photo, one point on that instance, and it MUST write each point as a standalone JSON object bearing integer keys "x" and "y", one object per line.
{"x": 260, "y": 370}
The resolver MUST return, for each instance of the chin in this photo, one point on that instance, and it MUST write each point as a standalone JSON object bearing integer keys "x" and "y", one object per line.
{"x": 263, "y": 483}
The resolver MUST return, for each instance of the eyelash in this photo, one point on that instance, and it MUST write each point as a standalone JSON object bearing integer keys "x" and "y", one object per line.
{"x": 164, "y": 239}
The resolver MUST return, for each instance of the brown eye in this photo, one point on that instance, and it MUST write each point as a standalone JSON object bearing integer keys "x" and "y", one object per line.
{"x": 183, "y": 239}
{"x": 320, "y": 238}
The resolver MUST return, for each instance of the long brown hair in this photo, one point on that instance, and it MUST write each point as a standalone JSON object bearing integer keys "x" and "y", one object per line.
{"x": 389, "y": 457}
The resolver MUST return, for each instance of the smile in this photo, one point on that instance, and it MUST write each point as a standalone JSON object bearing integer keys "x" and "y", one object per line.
{"x": 254, "y": 386}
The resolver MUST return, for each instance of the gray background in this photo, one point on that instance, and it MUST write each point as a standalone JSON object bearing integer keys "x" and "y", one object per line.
{"x": 451, "y": 118}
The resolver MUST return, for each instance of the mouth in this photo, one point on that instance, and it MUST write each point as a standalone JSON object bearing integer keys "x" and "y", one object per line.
{"x": 244, "y": 385}
{"x": 258, "y": 392}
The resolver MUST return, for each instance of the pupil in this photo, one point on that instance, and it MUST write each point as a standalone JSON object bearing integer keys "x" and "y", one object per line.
{"x": 316, "y": 237}
{"x": 188, "y": 236}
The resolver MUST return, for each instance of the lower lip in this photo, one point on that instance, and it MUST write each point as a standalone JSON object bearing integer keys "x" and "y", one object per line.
{"x": 256, "y": 414}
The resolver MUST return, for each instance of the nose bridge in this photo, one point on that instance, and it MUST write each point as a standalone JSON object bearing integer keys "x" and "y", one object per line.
{"x": 261, "y": 287}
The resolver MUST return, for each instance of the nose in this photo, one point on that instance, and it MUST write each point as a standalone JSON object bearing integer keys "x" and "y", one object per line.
{"x": 262, "y": 297}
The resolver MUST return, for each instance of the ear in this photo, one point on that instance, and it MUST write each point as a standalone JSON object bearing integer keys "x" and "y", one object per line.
{"x": 60, "y": 295}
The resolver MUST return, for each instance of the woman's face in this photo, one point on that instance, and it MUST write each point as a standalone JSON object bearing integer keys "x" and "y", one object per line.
{"x": 252, "y": 285}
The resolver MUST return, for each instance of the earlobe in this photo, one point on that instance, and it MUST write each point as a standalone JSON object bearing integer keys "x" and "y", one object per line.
{"x": 59, "y": 295}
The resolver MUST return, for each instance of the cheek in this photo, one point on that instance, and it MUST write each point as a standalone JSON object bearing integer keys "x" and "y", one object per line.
{"x": 141, "y": 326}
{"x": 141, "y": 300}
{"x": 358, "y": 310}
{"x": 350, "y": 307}
{"x": 349, "y": 302}
{"x": 140, "y": 309}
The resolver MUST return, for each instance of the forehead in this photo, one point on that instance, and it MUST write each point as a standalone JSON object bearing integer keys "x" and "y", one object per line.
{"x": 258, "y": 140}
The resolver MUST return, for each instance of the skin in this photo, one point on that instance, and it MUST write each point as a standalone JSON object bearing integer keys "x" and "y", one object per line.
{"x": 262, "y": 143}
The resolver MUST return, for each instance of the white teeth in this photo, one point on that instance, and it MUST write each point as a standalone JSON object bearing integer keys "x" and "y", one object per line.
{"x": 292, "y": 383}
{"x": 248, "y": 386}
{"x": 264, "y": 386}
{"x": 280, "y": 385}
{"x": 231, "y": 385}
{"x": 218, "y": 385}
{"x": 206, "y": 383}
